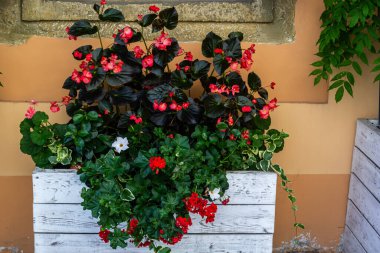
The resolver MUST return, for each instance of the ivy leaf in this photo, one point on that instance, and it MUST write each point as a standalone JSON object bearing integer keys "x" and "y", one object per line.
{"x": 112, "y": 15}
{"x": 82, "y": 27}
{"x": 169, "y": 18}
{"x": 127, "y": 195}
{"x": 209, "y": 44}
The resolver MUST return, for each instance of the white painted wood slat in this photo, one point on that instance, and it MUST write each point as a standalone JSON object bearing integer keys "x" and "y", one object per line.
{"x": 246, "y": 224}
{"x": 367, "y": 172}
{"x": 64, "y": 186}
{"x": 71, "y": 218}
{"x": 82, "y": 243}
{"x": 365, "y": 202}
{"x": 368, "y": 140}
{"x": 350, "y": 243}
{"x": 362, "y": 230}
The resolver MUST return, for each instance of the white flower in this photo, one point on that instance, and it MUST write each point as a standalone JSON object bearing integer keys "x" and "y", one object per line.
{"x": 120, "y": 144}
{"x": 214, "y": 194}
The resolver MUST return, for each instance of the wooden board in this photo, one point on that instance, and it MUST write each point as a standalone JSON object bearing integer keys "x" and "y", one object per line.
{"x": 246, "y": 224}
{"x": 82, "y": 243}
{"x": 350, "y": 243}
{"x": 64, "y": 186}
{"x": 71, "y": 218}
{"x": 368, "y": 205}
{"x": 368, "y": 140}
{"x": 362, "y": 230}
{"x": 367, "y": 172}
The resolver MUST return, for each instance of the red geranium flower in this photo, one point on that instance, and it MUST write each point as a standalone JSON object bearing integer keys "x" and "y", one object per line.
{"x": 157, "y": 163}
{"x": 103, "y": 234}
{"x": 132, "y": 226}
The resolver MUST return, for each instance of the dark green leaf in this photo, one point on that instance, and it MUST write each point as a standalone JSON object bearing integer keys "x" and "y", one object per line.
{"x": 82, "y": 27}
{"x": 238, "y": 35}
{"x": 254, "y": 81}
{"x": 209, "y": 44}
{"x": 169, "y": 17}
{"x": 339, "y": 94}
{"x": 147, "y": 20}
{"x": 348, "y": 88}
{"x": 220, "y": 64}
{"x": 112, "y": 15}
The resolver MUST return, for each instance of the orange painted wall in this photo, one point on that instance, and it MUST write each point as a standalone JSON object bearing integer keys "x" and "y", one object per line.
{"x": 317, "y": 154}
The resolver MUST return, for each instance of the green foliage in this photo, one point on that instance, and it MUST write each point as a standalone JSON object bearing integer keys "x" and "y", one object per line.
{"x": 142, "y": 143}
{"x": 350, "y": 31}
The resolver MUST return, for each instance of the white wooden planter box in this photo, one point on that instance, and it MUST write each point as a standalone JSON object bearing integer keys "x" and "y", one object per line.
{"x": 245, "y": 225}
{"x": 362, "y": 230}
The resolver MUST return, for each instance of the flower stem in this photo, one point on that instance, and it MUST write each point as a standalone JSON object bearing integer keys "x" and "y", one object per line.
{"x": 100, "y": 38}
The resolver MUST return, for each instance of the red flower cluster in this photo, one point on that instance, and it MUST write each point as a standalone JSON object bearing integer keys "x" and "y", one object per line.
{"x": 147, "y": 61}
{"x": 163, "y": 41}
{"x": 156, "y": 163}
{"x": 264, "y": 113}
{"x": 154, "y": 8}
{"x": 189, "y": 56}
{"x": 183, "y": 223}
{"x": 246, "y": 60}
{"x": 224, "y": 89}
{"x": 195, "y": 204}
{"x": 246, "y": 108}
{"x": 162, "y": 106}
{"x": 132, "y": 226}
{"x": 137, "y": 120}
{"x": 103, "y": 234}
{"x": 66, "y": 100}
{"x": 54, "y": 107}
{"x": 138, "y": 52}
{"x": 110, "y": 64}
{"x": 86, "y": 66}
{"x": 126, "y": 34}
{"x": 144, "y": 244}
{"x": 30, "y": 112}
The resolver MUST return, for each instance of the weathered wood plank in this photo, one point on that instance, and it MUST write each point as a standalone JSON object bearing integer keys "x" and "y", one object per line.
{"x": 64, "y": 186}
{"x": 90, "y": 243}
{"x": 368, "y": 140}
{"x": 362, "y": 230}
{"x": 365, "y": 202}
{"x": 71, "y": 218}
{"x": 367, "y": 172}
{"x": 350, "y": 243}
